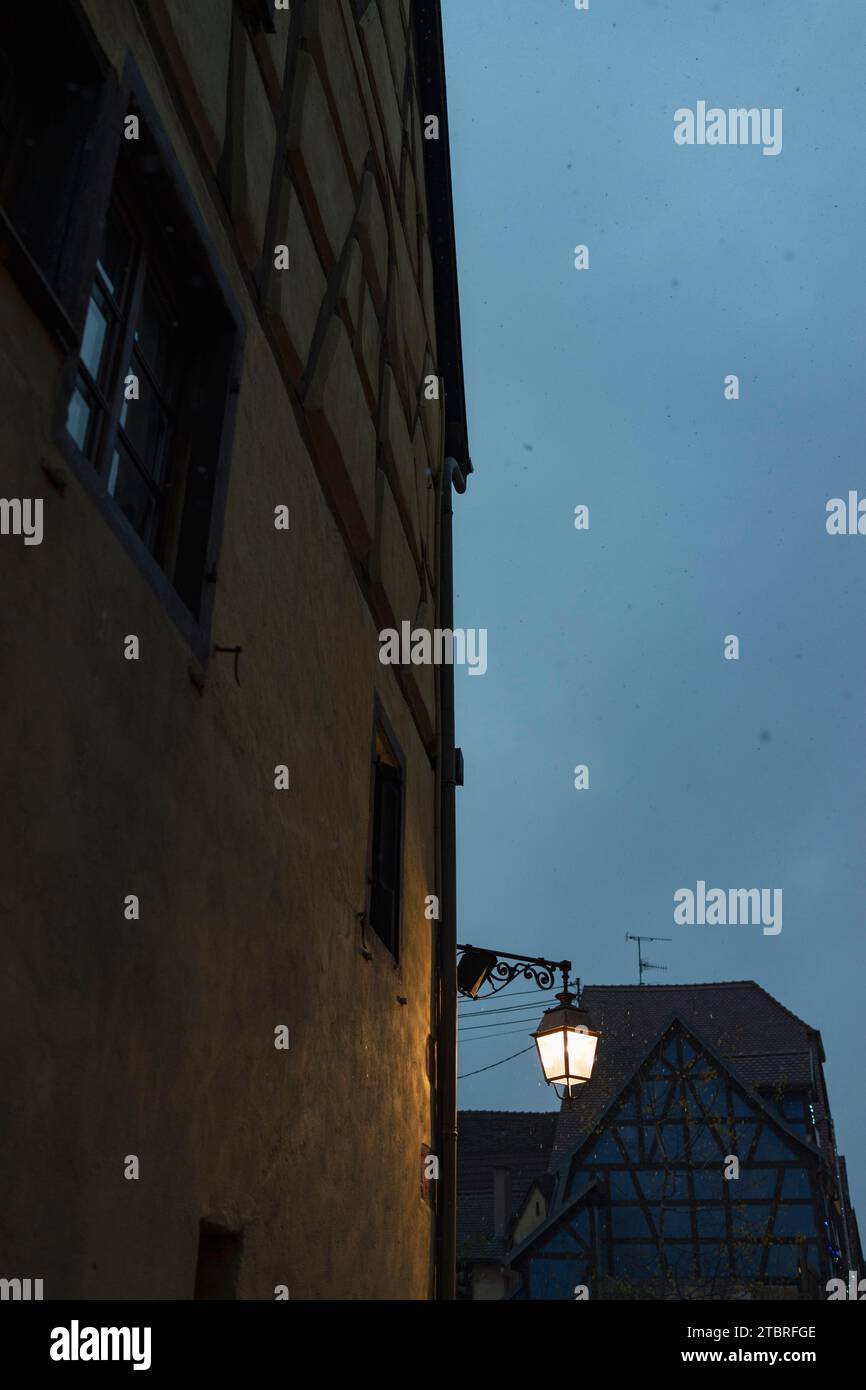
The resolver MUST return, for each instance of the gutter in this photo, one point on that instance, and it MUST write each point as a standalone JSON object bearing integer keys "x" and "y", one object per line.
{"x": 446, "y": 1254}
{"x": 430, "y": 72}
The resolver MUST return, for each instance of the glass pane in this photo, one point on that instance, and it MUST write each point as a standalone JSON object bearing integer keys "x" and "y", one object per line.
{"x": 155, "y": 335}
{"x": 146, "y": 426}
{"x": 115, "y": 256}
{"x": 95, "y": 334}
{"x": 133, "y": 496}
{"x": 78, "y": 417}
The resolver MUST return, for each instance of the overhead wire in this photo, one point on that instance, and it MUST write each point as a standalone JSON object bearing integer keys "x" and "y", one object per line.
{"x": 494, "y": 1064}
{"x": 512, "y": 994}
{"x": 499, "y": 1023}
{"x": 511, "y": 1009}
{"x": 506, "y": 1033}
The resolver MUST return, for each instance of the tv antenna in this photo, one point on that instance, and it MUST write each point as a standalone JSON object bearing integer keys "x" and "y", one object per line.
{"x": 642, "y": 963}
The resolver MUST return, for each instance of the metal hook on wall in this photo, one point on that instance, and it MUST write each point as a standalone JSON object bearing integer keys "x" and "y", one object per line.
{"x": 237, "y": 652}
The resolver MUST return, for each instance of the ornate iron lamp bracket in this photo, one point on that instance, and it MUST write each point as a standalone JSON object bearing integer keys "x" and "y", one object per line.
{"x": 508, "y": 967}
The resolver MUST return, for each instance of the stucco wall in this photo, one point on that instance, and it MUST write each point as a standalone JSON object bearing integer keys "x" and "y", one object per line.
{"x": 155, "y": 1037}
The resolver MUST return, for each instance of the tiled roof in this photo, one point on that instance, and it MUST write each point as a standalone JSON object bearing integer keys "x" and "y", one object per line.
{"x": 745, "y": 1026}
{"x": 519, "y": 1140}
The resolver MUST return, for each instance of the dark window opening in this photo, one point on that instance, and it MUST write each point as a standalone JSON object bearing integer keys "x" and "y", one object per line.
{"x": 387, "y": 843}
{"x": 51, "y": 99}
{"x": 261, "y": 14}
{"x": 49, "y": 95}
{"x": 219, "y": 1260}
{"x": 501, "y": 1200}
{"x": 148, "y": 403}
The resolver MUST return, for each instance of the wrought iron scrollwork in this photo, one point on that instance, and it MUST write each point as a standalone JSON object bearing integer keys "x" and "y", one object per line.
{"x": 503, "y": 973}
{"x": 497, "y": 969}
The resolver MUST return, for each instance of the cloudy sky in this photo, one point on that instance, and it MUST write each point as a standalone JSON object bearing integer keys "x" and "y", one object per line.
{"x": 605, "y": 388}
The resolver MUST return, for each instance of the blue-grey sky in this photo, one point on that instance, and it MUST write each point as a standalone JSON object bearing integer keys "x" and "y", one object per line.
{"x": 707, "y": 516}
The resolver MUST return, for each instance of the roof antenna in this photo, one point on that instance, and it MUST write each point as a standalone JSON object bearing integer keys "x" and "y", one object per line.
{"x": 642, "y": 963}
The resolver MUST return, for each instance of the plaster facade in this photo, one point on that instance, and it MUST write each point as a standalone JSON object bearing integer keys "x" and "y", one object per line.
{"x": 155, "y": 1037}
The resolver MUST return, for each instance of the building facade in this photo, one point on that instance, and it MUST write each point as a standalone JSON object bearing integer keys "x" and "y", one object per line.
{"x": 700, "y": 1162}
{"x": 231, "y": 376}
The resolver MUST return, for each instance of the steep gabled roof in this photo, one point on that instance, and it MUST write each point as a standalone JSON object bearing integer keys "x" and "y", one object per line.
{"x": 564, "y": 1201}
{"x": 740, "y": 1022}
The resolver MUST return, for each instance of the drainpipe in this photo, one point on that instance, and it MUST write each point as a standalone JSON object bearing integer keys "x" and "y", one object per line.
{"x": 447, "y": 1048}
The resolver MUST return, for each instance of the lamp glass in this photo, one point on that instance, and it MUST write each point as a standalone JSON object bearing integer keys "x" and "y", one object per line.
{"x": 566, "y": 1047}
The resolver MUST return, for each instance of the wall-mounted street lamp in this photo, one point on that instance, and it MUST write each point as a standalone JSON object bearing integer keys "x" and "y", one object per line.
{"x": 565, "y": 1039}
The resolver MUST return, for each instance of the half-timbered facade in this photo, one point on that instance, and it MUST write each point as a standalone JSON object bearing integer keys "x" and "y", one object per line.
{"x": 700, "y": 1162}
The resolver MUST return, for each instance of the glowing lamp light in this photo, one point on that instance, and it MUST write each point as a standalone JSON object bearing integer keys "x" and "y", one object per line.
{"x": 566, "y": 1044}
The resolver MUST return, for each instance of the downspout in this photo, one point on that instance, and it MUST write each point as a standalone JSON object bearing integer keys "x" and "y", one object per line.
{"x": 447, "y": 1040}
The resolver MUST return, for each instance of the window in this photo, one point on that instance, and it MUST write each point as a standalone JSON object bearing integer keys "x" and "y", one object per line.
{"x": 123, "y": 409}
{"x": 147, "y": 414}
{"x": 261, "y": 14}
{"x": 386, "y": 840}
{"x": 218, "y": 1265}
{"x": 53, "y": 91}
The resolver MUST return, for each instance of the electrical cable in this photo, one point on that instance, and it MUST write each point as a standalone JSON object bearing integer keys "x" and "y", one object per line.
{"x": 512, "y": 1009}
{"x": 495, "y": 1064}
{"x": 512, "y": 994}
{"x": 506, "y": 1033}
{"x": 500, "y": 1023}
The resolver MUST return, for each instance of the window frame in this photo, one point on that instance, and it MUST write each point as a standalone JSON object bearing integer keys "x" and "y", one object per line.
{"x": 382, "y": 725}
{"x": 122, "y": 355}
{"x": 133, "y": 93}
